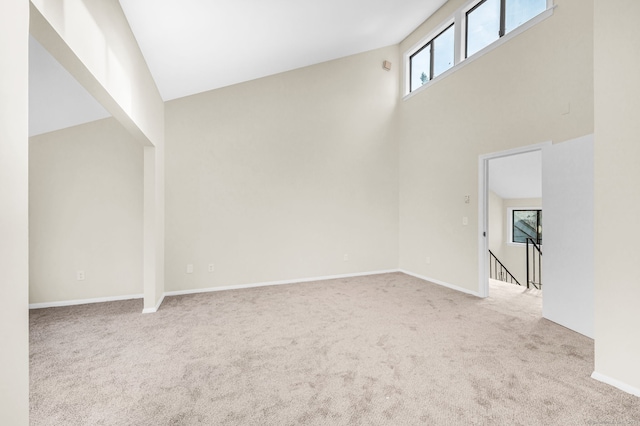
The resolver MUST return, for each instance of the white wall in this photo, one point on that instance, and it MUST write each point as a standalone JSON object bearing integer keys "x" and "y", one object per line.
{"x": 567, "y": 185}
{"x": 496, "y": 224}
{"x": 617, "y": 150}
{"x": 534, "y": 88}
{"x": 94, "y": 42}
{"x": 279, "y": 178}
{"x": 85, "y": 196}
{"x": 14, "y": 248}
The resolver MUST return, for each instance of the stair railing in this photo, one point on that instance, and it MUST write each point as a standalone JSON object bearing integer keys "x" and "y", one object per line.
{"x": 498, "y": 271}
{"x": 536, "y": 253}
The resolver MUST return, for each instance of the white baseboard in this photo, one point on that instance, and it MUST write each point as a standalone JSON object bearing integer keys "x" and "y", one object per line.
{"x": 615, "y": 383}
{"x": 241, "y": 286}
{"x": 199, "y": 290}
{"x": 271, "y": 283}
{"x": 442, "y": 283}
{"x": 155, "y": 308}
{"x": 83, "y": 301}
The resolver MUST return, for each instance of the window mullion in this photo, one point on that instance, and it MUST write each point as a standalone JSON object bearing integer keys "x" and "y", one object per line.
{"x": 503, "y": 17}
{"x": 539, "y": 227}
{"x": 410, "y": 73}
{"x": 431, "y": 53}
{"x": 466, "y": 35}
{"x": 457, "y": 38}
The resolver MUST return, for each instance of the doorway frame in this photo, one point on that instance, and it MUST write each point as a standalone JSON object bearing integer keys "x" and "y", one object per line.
{"x": 483, "y": 208}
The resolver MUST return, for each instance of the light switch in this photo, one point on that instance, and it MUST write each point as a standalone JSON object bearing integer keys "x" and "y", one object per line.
{"x": 465, "y": 221}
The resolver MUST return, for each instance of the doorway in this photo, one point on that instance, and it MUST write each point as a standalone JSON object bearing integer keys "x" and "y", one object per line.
{"x": 508, "y": 181}
{"x": 567, "y": 185}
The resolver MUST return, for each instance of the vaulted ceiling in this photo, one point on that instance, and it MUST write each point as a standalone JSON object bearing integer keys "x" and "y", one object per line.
{"x": 192, "y": 46}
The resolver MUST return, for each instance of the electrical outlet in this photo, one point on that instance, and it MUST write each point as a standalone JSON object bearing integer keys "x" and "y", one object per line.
{"x": 189, "y": 269}
{"x": 467, "y": 199}
{"x": 346, "y": 257}
{"x": 465, "y": 221}
{"x": 211, "y": 267}
{"x": 80, "y": 275}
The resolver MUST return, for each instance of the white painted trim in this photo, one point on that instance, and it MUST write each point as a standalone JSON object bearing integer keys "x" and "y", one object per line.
{"x": 483, "y": 207}
{"x": 483, "y": 226}
{"x": 83, "y": 301}
{"x": 273, "y": 283}
{"x": 442, "y": 283}
{"x": 616, "y": 383}
{"x": 201, "y": 290}
{"x": 464, "y": 62}
{"x": 242, "y": 286}
{"x": 155, "y": 308}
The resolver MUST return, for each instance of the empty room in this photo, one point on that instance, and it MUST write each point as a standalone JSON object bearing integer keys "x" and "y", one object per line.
{"x": 284, "y": 212}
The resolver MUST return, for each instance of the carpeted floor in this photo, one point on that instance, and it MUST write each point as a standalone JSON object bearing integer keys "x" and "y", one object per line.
{"x": 379, "y": 350}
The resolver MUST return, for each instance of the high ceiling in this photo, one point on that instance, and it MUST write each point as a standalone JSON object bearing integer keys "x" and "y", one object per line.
{"x": 192, "y": 46}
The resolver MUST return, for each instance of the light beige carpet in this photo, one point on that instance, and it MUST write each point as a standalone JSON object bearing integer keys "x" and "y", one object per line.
{"x": 379, "y": 350}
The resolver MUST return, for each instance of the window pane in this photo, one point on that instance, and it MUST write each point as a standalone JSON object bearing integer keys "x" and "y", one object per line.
{"x": 527, "y": 224}
{"x": 420, "y": 67}
{"x": 520, "y": 11}
{"x": 483, "y": 26}
{"x": 443, "y": 52}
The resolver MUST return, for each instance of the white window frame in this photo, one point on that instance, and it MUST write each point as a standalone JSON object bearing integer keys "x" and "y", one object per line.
{"x": 458, "y": 19}
{"x": 510, "y": 224}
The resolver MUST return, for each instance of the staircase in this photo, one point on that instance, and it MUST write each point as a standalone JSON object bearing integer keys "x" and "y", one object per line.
{"x": 497, "y": 271}
{"x": 534, "y": 269}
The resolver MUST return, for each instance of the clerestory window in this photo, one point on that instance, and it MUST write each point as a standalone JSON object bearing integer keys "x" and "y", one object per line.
{"x": 433, "y": 58}
{"x": 489, "y": 20}
{"x": 472, "y": 28}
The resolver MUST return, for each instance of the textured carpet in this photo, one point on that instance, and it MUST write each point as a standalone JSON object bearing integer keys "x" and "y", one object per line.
{"x": 387, "y": 349}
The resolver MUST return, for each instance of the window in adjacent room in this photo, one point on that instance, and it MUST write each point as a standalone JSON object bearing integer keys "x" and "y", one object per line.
{"x": 526, "y": 224}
